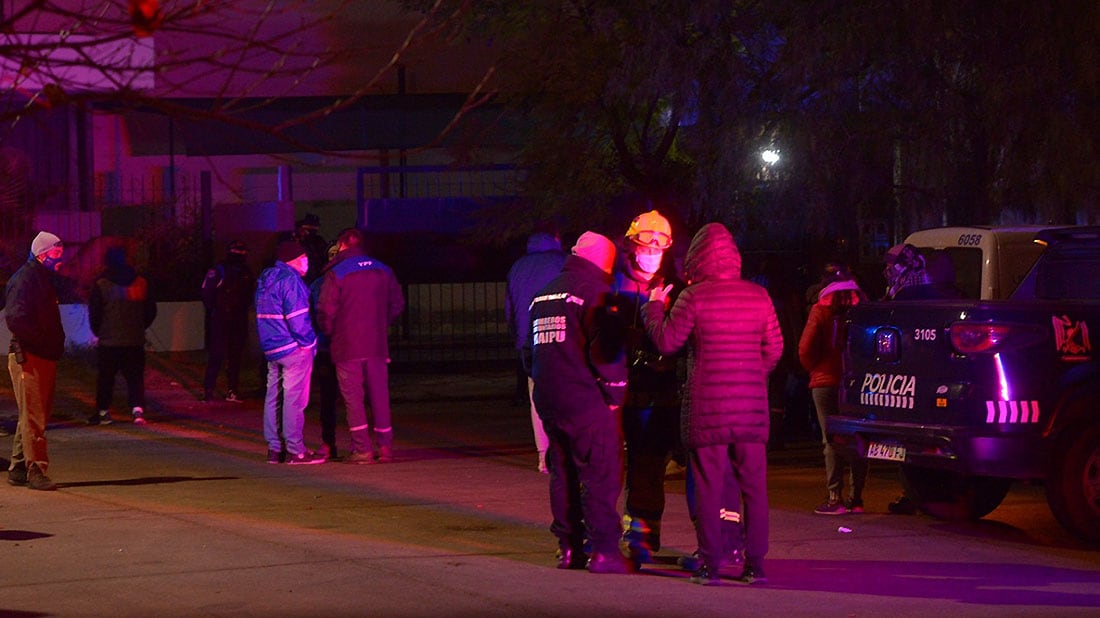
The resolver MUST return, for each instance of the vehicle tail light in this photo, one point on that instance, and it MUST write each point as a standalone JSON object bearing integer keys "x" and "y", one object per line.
{"x": 990, "y": 337}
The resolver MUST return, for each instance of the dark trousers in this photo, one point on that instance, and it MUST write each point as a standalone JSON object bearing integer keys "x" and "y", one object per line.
{"x": 710, "y": 465}
{"x": 585, "y": 467}
{"x": 128, "y": 360}
{"x": 226, "y": 339}
{"x": 324, "y": 374}
{"x": 651, "y": 435}
{"x": 733, "y": 533}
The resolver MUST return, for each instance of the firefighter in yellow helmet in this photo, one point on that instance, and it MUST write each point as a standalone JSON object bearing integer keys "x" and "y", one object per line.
{"x": 651, "y": 412}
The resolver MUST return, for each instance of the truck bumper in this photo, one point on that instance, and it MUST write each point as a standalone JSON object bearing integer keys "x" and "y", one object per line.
{"x": 957, "y": 449}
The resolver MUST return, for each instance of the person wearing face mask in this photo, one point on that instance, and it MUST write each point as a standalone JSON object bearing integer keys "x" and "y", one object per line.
{"x": 651, "y": 412}
{"x": 289, "y": 344}
{"x": 37, "y": 343}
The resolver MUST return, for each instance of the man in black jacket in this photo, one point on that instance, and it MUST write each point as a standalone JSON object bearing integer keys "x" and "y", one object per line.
{"x": 579, "y": 374}
{"x": 120, "y": 308}
{"x": 227, "y": 295}
{"x": 37, "y": 342}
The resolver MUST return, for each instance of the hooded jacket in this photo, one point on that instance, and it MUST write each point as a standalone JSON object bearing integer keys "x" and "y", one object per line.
{"x": 282, "y": 312}
{"x": 359, "y": 299}
{"x": 733, "y": 340}
{"x": 120, "y": 307}
{"x": 822, "y": 340}
{"x": 32, "y": 313}
{"x": 579, "y": 365}
{"x": 526, "y": 277}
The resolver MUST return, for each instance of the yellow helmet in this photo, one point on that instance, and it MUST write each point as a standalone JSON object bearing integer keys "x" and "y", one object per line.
{"x": 650, "y": 229}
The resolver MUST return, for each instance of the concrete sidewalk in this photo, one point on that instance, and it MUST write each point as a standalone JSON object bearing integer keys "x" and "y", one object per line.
{"x": 183, "y": 517}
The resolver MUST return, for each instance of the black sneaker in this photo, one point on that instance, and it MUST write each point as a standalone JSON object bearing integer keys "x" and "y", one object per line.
{"x": 232, "y": 397}
{"x": 706, "y": 576}
{"x": 694, "y": 562}
{"x": 752, "y": 575}
{"x": 103, "y": 417}
{"x": 571, "y": 559}
{"x": 275, "y": 457}
{"x": 18, "y": 474}
{"x": 854, "y": 506}
{"x": 306, "y": 458}
{"x": 831, "y": 507}
{"x": 611, "y": 563}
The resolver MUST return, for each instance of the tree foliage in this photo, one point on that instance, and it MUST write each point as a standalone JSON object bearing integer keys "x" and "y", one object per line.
{"x": 913, "y": 113}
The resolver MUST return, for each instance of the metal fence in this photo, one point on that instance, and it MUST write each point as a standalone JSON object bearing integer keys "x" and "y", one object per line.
{"x": 448, "y": 323}
{"x": 432, "y": 181}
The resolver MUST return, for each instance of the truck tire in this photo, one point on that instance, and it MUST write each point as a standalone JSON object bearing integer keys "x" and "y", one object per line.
{"x": 950, "y": 496}
{"x": 1073, "y": 482}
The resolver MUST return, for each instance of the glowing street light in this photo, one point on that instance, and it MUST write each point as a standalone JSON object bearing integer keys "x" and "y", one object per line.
{"x": 770, "y": 157}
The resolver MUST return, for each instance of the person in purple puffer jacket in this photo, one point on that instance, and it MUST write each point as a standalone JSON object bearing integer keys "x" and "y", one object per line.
{"x": 733, "y": 342}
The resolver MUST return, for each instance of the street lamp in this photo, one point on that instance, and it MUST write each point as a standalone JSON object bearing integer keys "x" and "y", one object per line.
{"x": 770, "y": 157}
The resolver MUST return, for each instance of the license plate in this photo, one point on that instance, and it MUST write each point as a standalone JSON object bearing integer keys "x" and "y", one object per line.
{"x": 889, "y": 452}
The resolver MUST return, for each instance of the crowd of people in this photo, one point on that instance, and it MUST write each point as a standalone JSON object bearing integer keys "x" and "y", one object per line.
{"x": 629, "y": 362}
{"x": 321, "y": 310}
{"x": 622, "y": 352}
{"x": 329, "y": 313}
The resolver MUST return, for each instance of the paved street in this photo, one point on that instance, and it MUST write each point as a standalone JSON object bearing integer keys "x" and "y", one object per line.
{"x": 184, "y": 517}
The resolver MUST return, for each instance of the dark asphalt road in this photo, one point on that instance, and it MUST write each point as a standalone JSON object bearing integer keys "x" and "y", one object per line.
{"x": 183, "y": 517}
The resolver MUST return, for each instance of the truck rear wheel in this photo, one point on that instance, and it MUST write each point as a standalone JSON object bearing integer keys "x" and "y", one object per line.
{"x": 1073, "y": 483}
{"x": 953, "y": 497}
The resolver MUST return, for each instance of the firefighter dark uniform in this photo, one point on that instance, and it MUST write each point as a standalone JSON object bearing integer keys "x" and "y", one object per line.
{"x": 579, "y": 375}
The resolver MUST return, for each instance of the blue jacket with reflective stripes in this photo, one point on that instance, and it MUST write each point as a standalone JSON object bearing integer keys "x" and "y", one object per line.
{"x": 282, "y": 312}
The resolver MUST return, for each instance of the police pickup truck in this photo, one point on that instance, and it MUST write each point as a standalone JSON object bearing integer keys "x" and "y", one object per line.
{"x": 970, "y": 395}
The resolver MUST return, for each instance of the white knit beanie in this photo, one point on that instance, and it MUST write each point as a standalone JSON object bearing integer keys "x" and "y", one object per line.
{"x": 43, "y": 243}
{"x": 596, "y": 248}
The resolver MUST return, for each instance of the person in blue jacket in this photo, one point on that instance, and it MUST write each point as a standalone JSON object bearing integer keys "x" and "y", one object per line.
{"x": 289, "y": 344}
{"x": 528, "y": 275}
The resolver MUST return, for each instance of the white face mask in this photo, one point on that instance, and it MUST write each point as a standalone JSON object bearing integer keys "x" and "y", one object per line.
{"x": 648, "y": 263}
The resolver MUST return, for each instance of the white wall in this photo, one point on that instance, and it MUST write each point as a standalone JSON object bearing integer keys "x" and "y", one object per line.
{"x": 178, "y": 328}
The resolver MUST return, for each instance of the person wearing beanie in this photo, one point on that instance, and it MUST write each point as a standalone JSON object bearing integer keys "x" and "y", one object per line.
{"x": 359, "y": 300}
{"x": 819, "y": 353}
{"x": 733, "y": 333}
{"x": 597, "y": 249}
{"x": 227, "y": 296}
{"x": 306, "y": 233}
{"x": 120, "y": 308}
{"x": 37, "y": 343}
{"x": 579, "y": 373}
{"x": 44, "y": 242}
{"x": 289, "y": 344}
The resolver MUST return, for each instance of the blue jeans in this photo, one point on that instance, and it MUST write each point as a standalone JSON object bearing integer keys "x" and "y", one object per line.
{"x": 288, "y": 385}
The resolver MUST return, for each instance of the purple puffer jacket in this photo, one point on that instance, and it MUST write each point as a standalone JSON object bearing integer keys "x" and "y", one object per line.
{"x": 733, "y": 340}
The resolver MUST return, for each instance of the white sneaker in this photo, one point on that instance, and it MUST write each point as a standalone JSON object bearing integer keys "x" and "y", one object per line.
{"x": 139, "y": 416}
